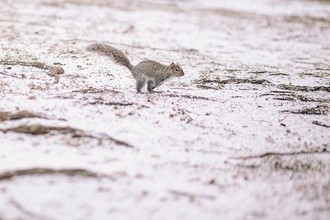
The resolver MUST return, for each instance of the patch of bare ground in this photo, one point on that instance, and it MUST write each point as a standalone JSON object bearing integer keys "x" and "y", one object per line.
{"x": 304, "y": 88}
{"x": 114, "y": 103}
{"x": 217, "y": 84}
{"x": 284, "y": 95}
{"x": 236, "y": 81}
{"x": 317, "y": 110}
{"x": 91, "y": 90}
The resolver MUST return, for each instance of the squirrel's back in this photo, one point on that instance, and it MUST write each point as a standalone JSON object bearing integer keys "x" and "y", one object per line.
{"x": 112, "y": 52}
{"x": 148, "y": 68}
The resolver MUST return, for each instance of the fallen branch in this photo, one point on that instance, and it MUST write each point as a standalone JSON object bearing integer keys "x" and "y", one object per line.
{"x": 269, "y": 154}
{"x": 6, "y": 116}
{"x": 47, "y": 171}
{"x": 38, "y": 129}
{"x": 53, "y": 71}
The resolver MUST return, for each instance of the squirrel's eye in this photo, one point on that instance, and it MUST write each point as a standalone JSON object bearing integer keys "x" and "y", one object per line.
{"x": 176, "y": 70}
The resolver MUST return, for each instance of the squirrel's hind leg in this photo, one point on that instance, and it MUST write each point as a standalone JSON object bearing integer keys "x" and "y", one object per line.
{"x": 139, "y": 84}
{"x": 151, "y": 85}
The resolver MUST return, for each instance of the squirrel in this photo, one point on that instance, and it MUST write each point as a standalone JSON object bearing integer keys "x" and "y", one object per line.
{"x": 147, "y": 71}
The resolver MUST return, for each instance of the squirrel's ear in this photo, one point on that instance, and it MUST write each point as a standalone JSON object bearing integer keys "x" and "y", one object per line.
{"x": 172, "y": 64}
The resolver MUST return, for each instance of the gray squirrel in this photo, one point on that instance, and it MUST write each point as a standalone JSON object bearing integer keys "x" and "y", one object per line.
{"x": 147, "y": 71}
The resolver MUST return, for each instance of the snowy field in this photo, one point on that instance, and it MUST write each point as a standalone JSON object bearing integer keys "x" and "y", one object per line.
{"x": 245, "y": 134}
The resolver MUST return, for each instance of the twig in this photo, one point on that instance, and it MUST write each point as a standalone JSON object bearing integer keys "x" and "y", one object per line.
{"x": 191, "y": 196}
{"x": 320, "y": 124}
{"x": 281, "y": 120}
{"x": 208, "y": 87}
{"x": 38, "y": 129}
{"x": 17, "y": 77}
{"x": 117, "y": 104}
{"x": 186, "y": 96}
{"x": 47, "y": 171}
{"x": 118, "y": 142}
{"x": 258, "y": 71}
{"x": 269, "y": 154}
{"x": 110, "y": 103}
{"x": 30, "y": 214}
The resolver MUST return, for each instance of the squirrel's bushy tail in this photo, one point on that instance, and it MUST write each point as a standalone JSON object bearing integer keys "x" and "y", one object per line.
{"x": 118, "y": 56}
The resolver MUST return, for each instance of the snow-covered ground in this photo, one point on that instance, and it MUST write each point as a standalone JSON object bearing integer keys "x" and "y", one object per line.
{"x": 243, "y": 135}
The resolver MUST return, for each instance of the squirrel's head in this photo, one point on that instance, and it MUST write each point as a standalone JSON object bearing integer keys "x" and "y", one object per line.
{"x": 176, "y": 70}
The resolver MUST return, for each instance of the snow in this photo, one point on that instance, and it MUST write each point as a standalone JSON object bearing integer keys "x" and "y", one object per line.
{"x": 191, "y": 145}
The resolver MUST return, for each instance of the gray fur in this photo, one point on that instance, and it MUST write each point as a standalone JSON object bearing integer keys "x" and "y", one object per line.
{"x": 118, "y": 56}
{"x": 147, "y": 71}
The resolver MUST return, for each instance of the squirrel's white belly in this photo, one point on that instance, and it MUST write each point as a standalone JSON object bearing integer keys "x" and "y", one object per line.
{"x": 165, "y": 80}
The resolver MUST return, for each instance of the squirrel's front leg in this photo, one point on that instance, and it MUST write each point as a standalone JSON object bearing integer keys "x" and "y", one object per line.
{"x": 151, "y": 85}
{"x": 139, "y": 84}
